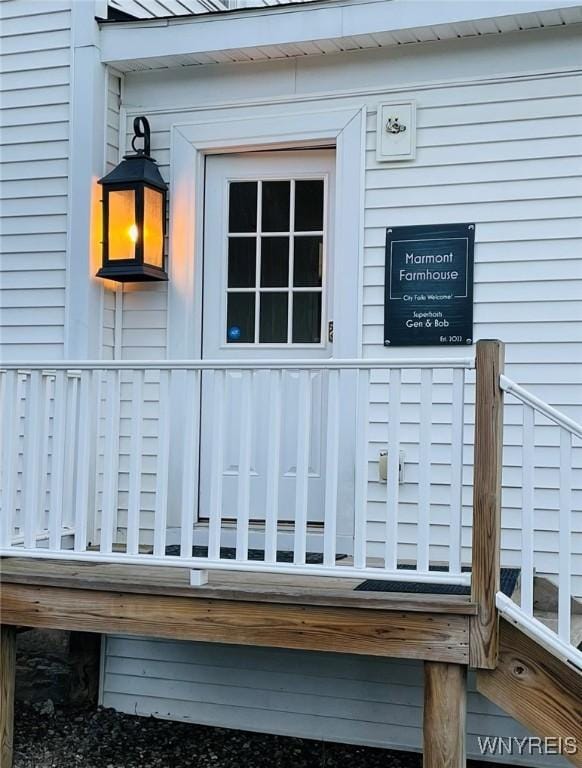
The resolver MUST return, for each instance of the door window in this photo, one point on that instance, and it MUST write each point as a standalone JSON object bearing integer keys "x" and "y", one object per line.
{"x": 276, "y": 261}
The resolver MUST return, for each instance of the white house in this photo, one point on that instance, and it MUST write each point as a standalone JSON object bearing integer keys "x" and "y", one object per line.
{"x": 287, "y": 391}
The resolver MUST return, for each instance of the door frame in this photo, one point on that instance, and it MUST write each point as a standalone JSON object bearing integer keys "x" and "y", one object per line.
{"x": 343, "y": 129}
{"x": 290, "y": 128}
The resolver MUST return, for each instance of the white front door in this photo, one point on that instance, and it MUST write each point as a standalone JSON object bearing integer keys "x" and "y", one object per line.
{"x": 268, "y": 261}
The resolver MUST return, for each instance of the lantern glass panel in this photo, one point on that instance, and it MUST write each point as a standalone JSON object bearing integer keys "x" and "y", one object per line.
{"x": 153, "y": 225}
{"x": 123, "y": 232}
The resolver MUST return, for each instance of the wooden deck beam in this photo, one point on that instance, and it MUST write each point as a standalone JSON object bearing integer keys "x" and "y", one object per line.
{"x": 413, "y": 635}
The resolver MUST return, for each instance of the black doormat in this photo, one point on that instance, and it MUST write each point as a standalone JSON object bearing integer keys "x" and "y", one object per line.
{"x": 509, "y": 578}
{"x": 229, "y": 553}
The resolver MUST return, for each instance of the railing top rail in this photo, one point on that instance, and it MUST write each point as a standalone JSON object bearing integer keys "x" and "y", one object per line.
{"x": 534, "y": 402}
{"x": 194, "y": 365}
{"x": 538, "y": 631}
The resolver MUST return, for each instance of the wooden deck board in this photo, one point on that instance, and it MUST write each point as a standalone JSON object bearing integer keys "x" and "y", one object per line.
{"x": 223, "y": 585}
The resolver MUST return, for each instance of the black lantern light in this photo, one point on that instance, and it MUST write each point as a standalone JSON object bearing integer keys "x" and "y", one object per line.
{"x": 134, "y": 215}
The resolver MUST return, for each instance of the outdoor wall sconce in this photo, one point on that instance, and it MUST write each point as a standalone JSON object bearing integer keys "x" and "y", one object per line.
{"x": 134, "y": 215}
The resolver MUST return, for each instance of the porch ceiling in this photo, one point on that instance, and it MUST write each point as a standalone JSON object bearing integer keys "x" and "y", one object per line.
{"x": 324, "y": 27}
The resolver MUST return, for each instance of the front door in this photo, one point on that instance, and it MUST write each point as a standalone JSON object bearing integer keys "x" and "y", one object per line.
{"x": 266, "y": 296}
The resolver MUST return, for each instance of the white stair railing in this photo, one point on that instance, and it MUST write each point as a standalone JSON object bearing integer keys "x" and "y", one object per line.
{"x": 104, "y": 460}
{"x": 555, "y": 632}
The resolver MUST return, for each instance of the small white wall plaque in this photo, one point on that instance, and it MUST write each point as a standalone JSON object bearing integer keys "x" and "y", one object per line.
{"x": 396, "y": 131}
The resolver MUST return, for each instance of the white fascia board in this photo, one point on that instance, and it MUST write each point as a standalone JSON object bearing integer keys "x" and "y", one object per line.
{"x": 397, "y": 15}
{"x": 277, "y": 25}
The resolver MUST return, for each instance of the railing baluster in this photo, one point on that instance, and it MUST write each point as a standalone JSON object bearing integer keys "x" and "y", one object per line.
{"x": 111, "y": 461}
{"x": 72, "y": 389}
{"x": 457, "y": 446}
{"x": 217, "y": 386}
{"x": 89, "y": 412}
{"x": 393, "y": 471}
{"x": 331, "y": 470}
{"x": 559, "y": 639}
{"x": 58, "y": 462}
{"x": 135, "y": 463}
{"x": 44, "y": 448}
{"x": 10, "y": 422}
{"x": 244, "y": 468}
{"x": 527, "y": 515}
{"x": 190, "y": 469}
{"x": 423, "y": 539}
{"x": 31, "y": 463}
{"x": 302, "y": 467}
{"x": 565, "y": 546}
{"x": 163, "y": 457}
{"x": 273, "y": 466}
{"x": 361, "y": 479}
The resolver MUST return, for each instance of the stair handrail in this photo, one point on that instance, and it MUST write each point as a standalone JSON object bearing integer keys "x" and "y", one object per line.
{"x": 534, "y": 628}
{"x": 559, "y": 418}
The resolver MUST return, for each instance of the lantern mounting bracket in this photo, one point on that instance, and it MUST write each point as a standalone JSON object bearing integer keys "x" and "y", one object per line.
{"x": 141, "y": 130}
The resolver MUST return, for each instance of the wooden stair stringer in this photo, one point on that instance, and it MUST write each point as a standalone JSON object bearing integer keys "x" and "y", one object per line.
{"x": 536, "y": 688}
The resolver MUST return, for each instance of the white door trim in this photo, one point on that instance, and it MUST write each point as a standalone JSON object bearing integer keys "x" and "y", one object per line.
{"x": 342, "y": 128}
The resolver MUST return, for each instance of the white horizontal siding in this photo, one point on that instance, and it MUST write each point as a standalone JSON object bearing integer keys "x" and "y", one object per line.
{"x": 528, "y": 282}
{"x": 327, "y": 697}
{"x": 35, "y": 57}
{"x": 145, "y": 306}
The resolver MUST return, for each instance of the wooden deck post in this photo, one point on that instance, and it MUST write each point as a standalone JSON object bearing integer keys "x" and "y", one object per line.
{"x": 445, "y": 711}
{"x": 7, "y": 682}
{"x": 84, "y": 659}
{"x": 487, "y": 503}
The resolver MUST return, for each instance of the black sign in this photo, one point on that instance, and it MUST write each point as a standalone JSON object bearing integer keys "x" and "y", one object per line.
{"x": 428, "y": 295}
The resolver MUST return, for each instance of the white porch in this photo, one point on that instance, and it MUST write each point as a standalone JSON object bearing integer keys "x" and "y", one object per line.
{"x": 108, "y": 461}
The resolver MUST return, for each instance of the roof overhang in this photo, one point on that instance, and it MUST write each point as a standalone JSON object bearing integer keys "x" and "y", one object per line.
{"x": 315, "y": 28}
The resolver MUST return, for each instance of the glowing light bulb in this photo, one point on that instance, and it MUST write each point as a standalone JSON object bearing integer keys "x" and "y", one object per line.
{"x": 133, "y": 233}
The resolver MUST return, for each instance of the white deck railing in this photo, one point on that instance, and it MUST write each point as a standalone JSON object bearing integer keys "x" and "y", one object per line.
{"x": 555, "y": 631}
{"x": 118, "y": 461}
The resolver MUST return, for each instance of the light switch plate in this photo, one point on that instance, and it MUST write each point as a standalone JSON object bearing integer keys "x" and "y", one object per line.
{"x": 396, "y": 131}
{"x": 383, "y": 466}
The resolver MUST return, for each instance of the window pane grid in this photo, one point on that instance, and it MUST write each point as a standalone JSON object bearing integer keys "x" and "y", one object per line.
{"x": 266, "y": 314}
{"x": 286, "y": 233}
{"x": 279, "y": 289}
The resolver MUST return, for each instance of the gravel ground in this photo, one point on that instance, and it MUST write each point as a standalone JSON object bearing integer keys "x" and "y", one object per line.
{"x": 51, "y": 734}
{"x": 106, "y": 739}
